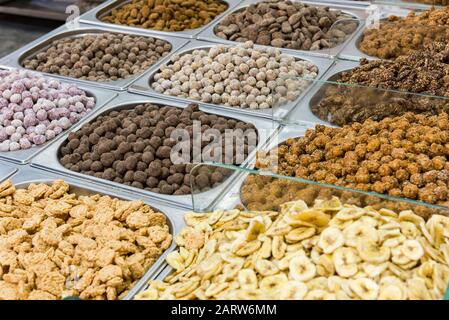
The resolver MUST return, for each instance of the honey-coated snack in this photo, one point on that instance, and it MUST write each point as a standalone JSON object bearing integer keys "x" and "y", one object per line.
{"x": 381, "y": 88}
{"x": 329, "y": 251}
{"x": 166, "y": 15}
{"x": 55, "y": 244}
{"x": 401, "y": 156}
{"x": 398, "y": 36}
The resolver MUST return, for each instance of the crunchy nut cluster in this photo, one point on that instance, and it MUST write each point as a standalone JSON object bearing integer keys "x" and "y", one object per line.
{"x": 402, "y": 156}
{"x": 55, "y": 244}
{"x": 328, "y": 251}
{"x": 398, "y": 36}
{"x": 167, "y": 15}
{"x": 424, "y": 72}
{"x": 99, "y": 57}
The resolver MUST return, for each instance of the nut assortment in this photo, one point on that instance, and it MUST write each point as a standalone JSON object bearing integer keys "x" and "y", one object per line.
{"x": 240, "y": 76}
{"x": 425, "y": 72}
{"x": 133, "y": 146}
{"x": 287, "y": 24}
{"x": 402, "y": 156}
{"x": 398, "y": 36}
{"x": 34, "y": 109}
{"x": 54, "y": 243}
{"x": 326, "y": 252}
{"x": 99, "y": 57}
{"x": 166, "y": 15}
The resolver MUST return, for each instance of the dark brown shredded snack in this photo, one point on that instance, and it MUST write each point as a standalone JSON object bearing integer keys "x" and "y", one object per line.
{"x": 423, "y": 72}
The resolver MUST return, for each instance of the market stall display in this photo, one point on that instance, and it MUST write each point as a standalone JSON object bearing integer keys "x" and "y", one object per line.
{"x": 227, "y": 150}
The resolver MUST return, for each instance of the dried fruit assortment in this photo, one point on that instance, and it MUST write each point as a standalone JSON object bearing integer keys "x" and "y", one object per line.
{"x": 99, "y": 57}
{"x": 34, "y": 109}
{"x": 402, "y": 156}
{"x": 287, "y": 24}
{"x": 325, "y": 252}
{"x": 166, "y": 15}
{"x": 398, "y": 36}
{"x": 265, "y": 193}
{"x": 54, "y": 243}
{"x": 425, "y": 72}
{"x": 240, "y": 76}
{"x": 133, "y": 146}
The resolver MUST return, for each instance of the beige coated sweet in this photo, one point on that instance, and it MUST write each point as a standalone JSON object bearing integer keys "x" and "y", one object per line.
{"x": 325, "y": 252}
{"x": 55, "y": 244}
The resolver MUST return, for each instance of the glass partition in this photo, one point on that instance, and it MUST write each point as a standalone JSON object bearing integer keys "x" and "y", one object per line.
{"x": 338, "y": 35}
{"x": 297, "y": 216}
{"x": 352, "y": 92}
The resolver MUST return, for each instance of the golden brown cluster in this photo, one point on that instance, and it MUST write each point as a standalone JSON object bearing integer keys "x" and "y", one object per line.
{"x": 403, "y": 156}
{"x": 398, "y": 36}
{"x": 55, "y": 244}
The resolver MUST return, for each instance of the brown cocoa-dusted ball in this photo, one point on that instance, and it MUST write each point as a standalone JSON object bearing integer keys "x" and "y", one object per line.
{"x": 177, "y": 178}
{"x": 140, "y": 176}
{"x": 147, "y": 157}
{"x": 107, "y": 159}
{"x": 163, "y": 152}
{"x": 216, "y": 177}
{"x": 155, "y": 169}
{"x": 129, "y": 176}
{"x": 130, "y": 163}
{"x": 202, "y": 180}
{"x": 132, "y": 146}
{"x": 96, "y": 166}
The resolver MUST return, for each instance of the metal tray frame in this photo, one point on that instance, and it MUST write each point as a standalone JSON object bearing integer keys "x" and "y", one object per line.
{"x": 91, "y": 17}
{"x": 49, "y": 161}
{"x": 101, "y": 98}
{"x": 174, "y": 215}
{"x": 352, "y": 52}
{"x": 6, "y": 170}
{"x": 16, "y": 58}
{"x": 303, "y": 113}
{"x": 357, "y": 12}
{"x": 142, "y": 85}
